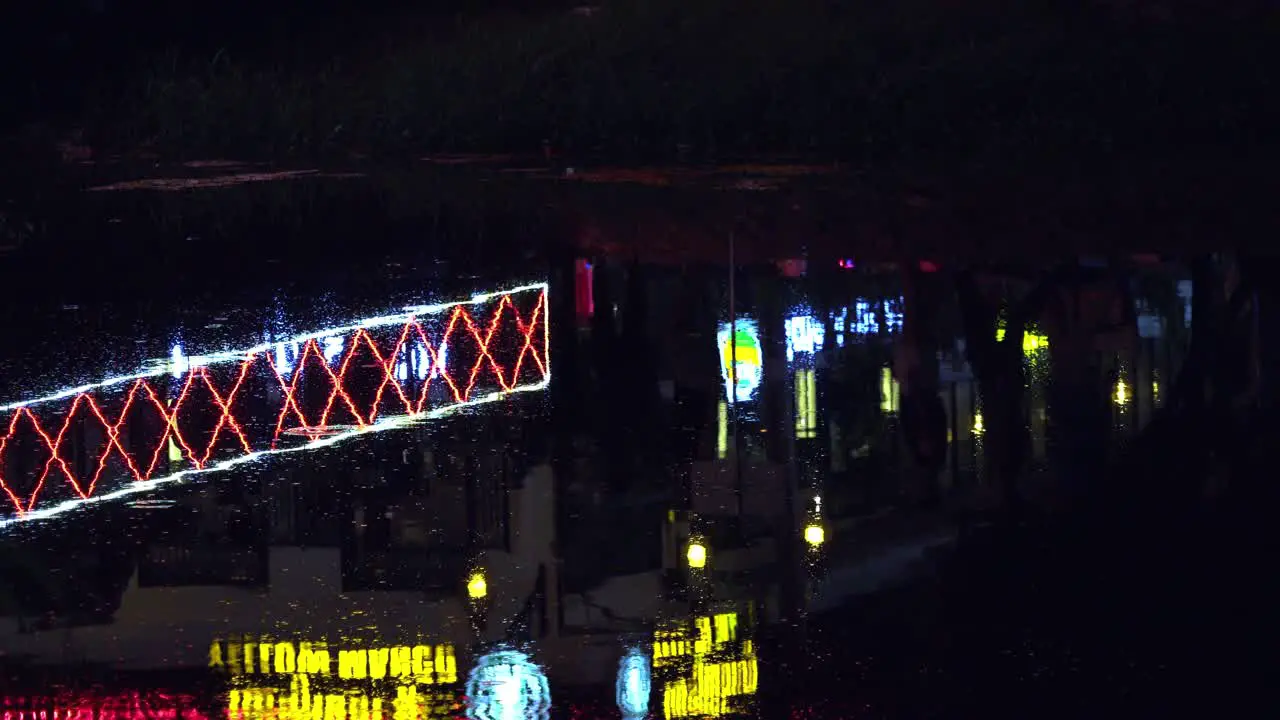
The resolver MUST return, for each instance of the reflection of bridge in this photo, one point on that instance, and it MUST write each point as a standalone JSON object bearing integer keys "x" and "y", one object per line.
{"x": 128, "y": 434}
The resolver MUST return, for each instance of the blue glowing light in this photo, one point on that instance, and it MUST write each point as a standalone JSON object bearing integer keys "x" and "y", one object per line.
{"x": 506, "y": 685}
{"x": 332, "y": 347}
{"x": 178, "y": 364}
{"x": 806, "y": 335}
{"x": 634, "y": 684}
{"x": 418, "y": 362}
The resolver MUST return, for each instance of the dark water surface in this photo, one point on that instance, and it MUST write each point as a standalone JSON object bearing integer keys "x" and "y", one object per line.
{"x": 458, "y": 531}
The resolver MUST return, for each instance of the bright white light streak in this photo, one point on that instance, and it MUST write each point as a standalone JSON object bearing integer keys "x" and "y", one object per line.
{"x": 178, "y": 364}
{"x": 332, "y": 348}
{"x": 390, "y": 423}
{"x": 227, "y": 356}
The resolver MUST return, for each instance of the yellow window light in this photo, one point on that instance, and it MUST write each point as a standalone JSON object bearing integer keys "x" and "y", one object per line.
{"x": 722, "y": 430}
{"x": 806, "y": 405}
{"x": 889, "y": 391}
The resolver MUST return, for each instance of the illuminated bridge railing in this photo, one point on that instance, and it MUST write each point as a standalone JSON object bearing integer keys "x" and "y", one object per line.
{"x": 198, "y": 414}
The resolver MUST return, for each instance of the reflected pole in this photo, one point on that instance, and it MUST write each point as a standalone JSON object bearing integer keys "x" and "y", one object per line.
{"x": 733, "y": 372}
{"x": 787, "y": 638}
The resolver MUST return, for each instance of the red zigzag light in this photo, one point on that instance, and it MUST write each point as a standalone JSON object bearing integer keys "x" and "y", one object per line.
{"x": 522, "y": 364}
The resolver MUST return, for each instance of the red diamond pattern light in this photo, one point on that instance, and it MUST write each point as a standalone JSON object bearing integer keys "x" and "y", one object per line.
{"x": 476, "y": 350}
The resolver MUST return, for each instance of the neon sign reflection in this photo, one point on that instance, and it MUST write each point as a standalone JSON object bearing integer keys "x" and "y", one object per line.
{"x": 744, "y": 347}
{"x": 330, "y": 682}
{"x": 148, "y": 705}
{"x": 190, "y": 415}
{"x": 421, "y": 664}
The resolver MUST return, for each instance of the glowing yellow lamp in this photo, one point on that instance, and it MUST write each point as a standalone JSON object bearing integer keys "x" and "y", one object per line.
{"x": 814, "y": 534}
{"x": 697, "y": 555}
{"x": 477, "y": 588}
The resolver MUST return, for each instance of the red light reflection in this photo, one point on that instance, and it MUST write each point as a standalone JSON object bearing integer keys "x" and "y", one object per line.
{"x": 88, "y": 706}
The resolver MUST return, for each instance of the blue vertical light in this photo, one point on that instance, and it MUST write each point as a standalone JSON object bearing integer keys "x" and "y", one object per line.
{"x": 178, "y": 363}
{"x": 634, "y": 684}
{"x": 286, "y": 356}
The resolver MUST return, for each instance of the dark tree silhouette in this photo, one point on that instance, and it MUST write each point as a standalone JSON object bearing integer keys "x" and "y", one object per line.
{"x": 924, "y": 420}
{"x": 998, "y": 363}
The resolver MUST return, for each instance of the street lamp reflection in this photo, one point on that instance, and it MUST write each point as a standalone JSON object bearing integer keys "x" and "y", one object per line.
{"x": 697, "y": 555}
{"x": 477, "y": 586}
{"x": 814, "y": 534}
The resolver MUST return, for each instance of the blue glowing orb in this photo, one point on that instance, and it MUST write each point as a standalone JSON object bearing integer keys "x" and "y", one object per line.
{"x": 505, "y": 685}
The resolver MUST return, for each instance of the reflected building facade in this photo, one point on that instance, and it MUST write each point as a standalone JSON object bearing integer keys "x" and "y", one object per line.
{"x": 374, "y": 579}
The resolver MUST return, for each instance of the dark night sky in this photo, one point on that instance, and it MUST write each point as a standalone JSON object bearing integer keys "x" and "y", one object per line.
{"x": 49, "y": 48}
{"x": 53, "y": 51}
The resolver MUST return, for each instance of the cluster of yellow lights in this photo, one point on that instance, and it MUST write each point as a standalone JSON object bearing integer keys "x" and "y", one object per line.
{"x": 299, "y": 702}
{"x": 710, "y": 686}
{"x": 420, "y": 664}
{"x": 1031, "y": 341}
{"x": 709, "y": 691}
{"x": 806, "y": 405}
{"x": 303, "y": 663}
{"x": 712, "y": 632}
